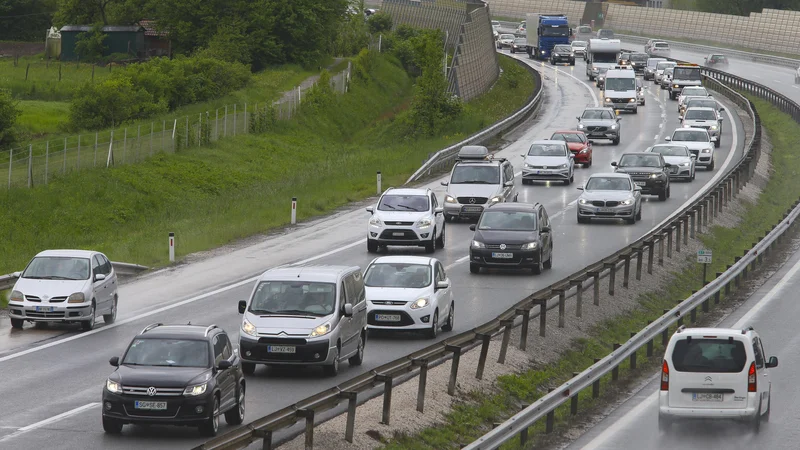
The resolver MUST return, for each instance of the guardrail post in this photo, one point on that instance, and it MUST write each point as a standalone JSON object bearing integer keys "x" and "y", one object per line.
{"x": 661, "y": 249}
{"x": 615, "y": 370}
{"x": 626, "y": 270}
{"x": 578, "y": 297}
{"x": 266, "y": 438}
{"x": 737, "y": 277}
{"x": 523, "y": 436}
{"x": 699, "y": 208}
{"x": 562, "y": 305}
{"x": 308, "y": 414}
{"x": 387, "y": 397}
{"x": 680, "y": 317}
{"x": 352, "y": 403}
{"x": 485, "y": 341}
{"x": 612, "y": 276}
{"x": 720, "y": 200}
{"x": 596, "y": 384}
{"x": 665, "y": 334}
{"x": 451, "y": 385}
{"x": 507, "y": 324}
{"x": 650, "y": 251}
{"x": 744, "y": 269}
{"x": 736, "y": 184}
{"x": 423, "y": 383}
{"x": 686, "y": 230}
{"x": 705, "y": 204}
{"x": 573, "y": 402}
{"x": 678, "y": 235}
{"x": 523, "y": 335}
{"x": 669, "y": 240}
{"x": 692, "y": 223}
{"x": 633, "y": 355}
{"x": 639, "y": 255}
{"x": 693, "y": 312}
{"x": 596, "y": 280}
{"x": 551, "y": 418}
{"x": 542, "y": 315}
{"x": 650, "y": 343}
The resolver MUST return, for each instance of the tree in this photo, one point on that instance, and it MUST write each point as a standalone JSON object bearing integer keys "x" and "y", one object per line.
{"x": 90, "y": 46}
{"x": 25, "y": 20}
{"x": 229, "y": 43}
{"x": 379, "y": 22}
{"x": 9, "y": 112}
{"x": 110, "y": 103}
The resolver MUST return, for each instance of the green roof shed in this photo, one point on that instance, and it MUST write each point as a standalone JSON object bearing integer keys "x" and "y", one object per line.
{"x": 127, "y": 39}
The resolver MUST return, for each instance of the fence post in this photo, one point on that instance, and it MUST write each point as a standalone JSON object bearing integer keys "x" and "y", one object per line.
{"x": 30, "y": 166}
{"x": 352, "y": 398}
{"x": 294, "y": 210}
{"x": 506, "y": 324}
{"x": 387, "y": 397}
{"x": 171, "y": 246}
{"x": 451, "y": 385}
{"x": 485, "y": 341}
{"x": 110, "y": 157}
{"x": 10, "y": 161}
{"x": 174, "y": 135}
{"x": 379, "y": 182}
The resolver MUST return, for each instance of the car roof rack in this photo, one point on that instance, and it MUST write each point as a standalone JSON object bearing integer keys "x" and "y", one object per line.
{"x": 473, "y": 152}
{"x": 746, "y": 329}
{"x": 150, "y": 327}
{"x": 209, "y": 328}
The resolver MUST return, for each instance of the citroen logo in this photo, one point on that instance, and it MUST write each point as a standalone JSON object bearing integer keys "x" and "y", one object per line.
{"x": 282, "y": 333}
{"x": 151, "y": 391}
{"x": 708, "y": 378}
{"x": 472, "y": 200}
{"x": 502, "y": 246}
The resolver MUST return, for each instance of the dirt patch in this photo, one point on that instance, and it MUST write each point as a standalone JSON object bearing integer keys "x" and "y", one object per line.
{"x": 10, "y": 49}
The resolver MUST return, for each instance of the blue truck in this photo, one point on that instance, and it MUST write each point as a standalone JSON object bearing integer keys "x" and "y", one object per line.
{"x": 544, "y": 31}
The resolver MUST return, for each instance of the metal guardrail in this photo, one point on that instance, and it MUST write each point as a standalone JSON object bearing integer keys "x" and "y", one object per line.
{"x": 7, "y": 281}
{"x": 569, "y": 391}
{"x": 687, "y": 220}
{"x": 445, "y": 157}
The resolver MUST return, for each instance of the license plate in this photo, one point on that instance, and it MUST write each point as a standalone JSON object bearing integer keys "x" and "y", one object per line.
{"x": 387, "y": 317}
{"x": 473, "y": 208}
{"x": 706, "y": 397}
{"x": 541, "y": 172}
{"x": 44, "y": 309}
{"x": 605, "y": 210}
{"x": 640, "y": 183}
{"x": 502, "y": 255}
{"x": 280, "y": 349}
{"x": 398, "y": 233}
{"x": 153, "y": 406}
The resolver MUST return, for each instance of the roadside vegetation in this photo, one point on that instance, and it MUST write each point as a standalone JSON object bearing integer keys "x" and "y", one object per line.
{"x": 477, "y": 413}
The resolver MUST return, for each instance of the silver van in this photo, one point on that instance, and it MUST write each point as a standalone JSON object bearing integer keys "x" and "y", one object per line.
{"x": 305, "y": 315}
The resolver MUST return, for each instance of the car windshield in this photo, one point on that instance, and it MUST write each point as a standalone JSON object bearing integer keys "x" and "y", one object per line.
{"x": 167, "y": 352}
{"x": 506, "y": 36}
{"x": 638, "y": 57}
{"x": 624, "y": 56}
{"x": 661, "y": 45}
{"x": 475, "y": 174}
{"x": 668, "y": 71}
{"x": 687, "y": 73}
{"x": 702, "y": 104}
{"x": 416, "y": 203}
{"x": 562, "y": 31}
{"x": 567, "y": 137}
{"x": 608, "y": 184}
{"x": 294, "y": 297}
{"x": 700, "y": 114}
{"x": 595, "y": 114}
{"x": 562, "y": 48}
{"x": 508, "y": 221}
{"x": 653, "y": 62}
{"x": 398, "y": 275}
{"x": 602, "y": 70}
{"x": 584, "y": 29}
{"x": 620, "y": 84}
{"x": 57, "y": 268}
{"x": 695, "y": 92}
{"x": 579, "y": 44}
{"x": 690, "y": 136}
{"x": 605, "y": 33}
{"x": 709, "y": 355}
{"x": 718, "y": 58}
{"x": 671, "y": 150}
{"x": 520, "y": 40}
{"x": 547, "y": 150}
{"x": 663, "y": 65}
{"x": 640, "y": 161}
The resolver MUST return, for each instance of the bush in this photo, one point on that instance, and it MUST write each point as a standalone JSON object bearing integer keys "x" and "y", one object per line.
{"x": 321, "y": 93}
{"x": 229, "y": 43}
{"x": 90, "y": 46}
{"x": 9, "y": 111}
{"x": 112, "y": 102}
{"x": 379, "y": 23}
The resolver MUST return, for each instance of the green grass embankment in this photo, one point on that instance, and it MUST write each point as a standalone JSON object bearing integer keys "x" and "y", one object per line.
{"x": 242, "y": 186}
{"x": 472, "y": 418}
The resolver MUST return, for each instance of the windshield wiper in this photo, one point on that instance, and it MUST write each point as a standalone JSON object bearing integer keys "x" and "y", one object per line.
{"x": 297, "y": 311}
{"x": 476, "y": 182}
{"x": 408, "y": 207}
{"x": 56, "y": 277}
{"x": 389, "y": 206}
{"x": 261, "y": 312}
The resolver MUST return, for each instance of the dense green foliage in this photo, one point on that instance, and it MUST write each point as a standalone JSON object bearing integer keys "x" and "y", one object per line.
{"x": 9, "y": 111}
{"x": 25, "y": 20}
{"x": 90, "y": 45}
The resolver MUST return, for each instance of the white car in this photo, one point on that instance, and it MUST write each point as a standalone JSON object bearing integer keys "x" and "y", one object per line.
{"x": 66, "y": 286}
{"x": 548, "y": 161}
{"x": 692, "y": 91}
{"x": 610, "y": 196}
{"x": 679, "y": 157}
{"x": 715, "y": 373}
{"x": 705, "y": 118}
{"x": 699, "y": 143}
{"x": 505, "y": 41}
{"x": 409, "y": 293}
{"x": 408, "y": 217}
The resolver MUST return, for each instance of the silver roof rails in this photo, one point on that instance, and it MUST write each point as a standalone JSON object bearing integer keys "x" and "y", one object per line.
{"x": 150, "y": 327}
{"x": 209, "y": 328}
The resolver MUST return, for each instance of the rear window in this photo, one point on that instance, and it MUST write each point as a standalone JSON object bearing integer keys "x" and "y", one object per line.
{"x": 709, "y": 355}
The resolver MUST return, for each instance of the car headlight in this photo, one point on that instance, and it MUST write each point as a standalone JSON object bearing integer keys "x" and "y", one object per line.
{"x": 478, "y": 244}
{"x": 543, "y": 52}
{"x": 449, "y": 199}
{"x": 627, "y": 202}
{"x": 608, "y": 100}
{"x": 495, "y": 199}
{"x": 685, "y": 164}
{"x": 321, "y": 330}
{"x": 420, "y": 303}
{"x": 375, "y": 222}
{"x": 16, "y": 296}
{"x": 631, "y": 100}
{"x": 528, "y": 166}
{"x": 113, "y": 386}
{"x": 675, "y": 85}
{"x": 563, "y": 166}
{"x": 580, "y": 125}
{"x": 424, "y": 223}
{"x": 248, "y": 328}
{"x": 713, "y": 127}
{"x": 614, "y": 127}
{"x": 595, "y": 69}
{"x": 585, "y": 150}
{"x": 583, "y": 201}
{"x": 198, "y": 389}
{"x": 530, "y": 246}
{"x": 653, "y": 175}
{"x": 77, "y": 297}
{"x": 706, "y": 150}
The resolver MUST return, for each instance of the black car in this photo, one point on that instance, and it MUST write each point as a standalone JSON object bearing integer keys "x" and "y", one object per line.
{"x": 175, "y": 375}
{"x": 648, "y": 170}
{"x": 562, "y": 53}
{"x": 512, "y": 236}
{"x": 638, "y": 61}
{"x": 519, "y": 45}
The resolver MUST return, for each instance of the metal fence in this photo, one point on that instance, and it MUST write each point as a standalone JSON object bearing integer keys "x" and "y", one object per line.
{"x": 39, "y": 163}
{"x": 681, "y": 225}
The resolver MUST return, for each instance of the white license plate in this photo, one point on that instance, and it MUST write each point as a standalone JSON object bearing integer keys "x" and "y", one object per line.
{"x": 44, "y": 308}
{"x": 398, "y": 233}
{"x": 706, "y": 397}
{"x": 605, "y": 210}
{"x": 502, "y": 255}
{"x": 153, "y": 406}
{"x": 387, "y": 317}
{"x": 640, "y": 183}
{"x": 281, "y": 349}
{"x": 542, "y": 172}
{"x": 473, "y": 208}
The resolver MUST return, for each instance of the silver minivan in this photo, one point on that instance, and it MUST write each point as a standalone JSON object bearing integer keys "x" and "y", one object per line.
{"x": 305, "y": 315}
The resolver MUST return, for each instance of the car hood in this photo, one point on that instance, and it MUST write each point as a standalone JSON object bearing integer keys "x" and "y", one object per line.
{"x": 696, "y": 145}
{"x": 473, "y": 190}
{"x": 400, "y": 216}
{"x": 546, "y": 160}
{"x": 692, "y": 122}
{"x": 598, "y": 122}
{"x": 606, "y": 195}
{"x": 291, "y": 326}
{"x": 634, "y": 169}
{"x": 146, "y": 376}
{"x": 397, "y": 294}
{"x": 576, "y": 146}
{"x": 505, "y": 237}
{"x": 626, "y": 93}
{"x": 676, "y": 160}
{"x": 50, "y": 288}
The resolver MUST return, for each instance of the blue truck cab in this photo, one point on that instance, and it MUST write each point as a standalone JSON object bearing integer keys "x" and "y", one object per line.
{"x": 545, "y": 31}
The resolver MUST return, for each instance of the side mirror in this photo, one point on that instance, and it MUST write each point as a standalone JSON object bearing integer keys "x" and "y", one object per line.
{"x": 668, "y": 138}
{"x": 571, "y": 156}
{"x": 438, "y": 210}
{"x": 613, "y": 164}
{"x": 472, "y": 227}
{"x": 442, "y": 285}
{"x": 523, "y": 155}
{"x": 445, "y": 183}
{"x": 242, "y": 306}
{"x": 721, "y": 109}
{"x": 17, "y": 274}
{"x": 224, "y": 365}
{"x": 667, "y": 165}
{"x": 99, "y": 277}
{"x": 508, "y": 184}
{"x": 714, "y": 139}
{"x": 578, "y": 117}
{"x": 773, "y": 362}
{"x": 680, "y": 118}
{"x": 347, "y": 310}
{"x": 721, "y": 119}
{"x": 545, "y": 229}
{"x": 114, "y": 361}
{"x": 371, "y": 210}
{"x": 693, "y": 156}
{"x": 618, "y": 118}
{"x": 637, "y": 188}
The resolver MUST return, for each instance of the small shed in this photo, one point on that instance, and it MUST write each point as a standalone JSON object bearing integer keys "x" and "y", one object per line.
{"x": 157, "y": 43}
{"x": 128, "y": 39}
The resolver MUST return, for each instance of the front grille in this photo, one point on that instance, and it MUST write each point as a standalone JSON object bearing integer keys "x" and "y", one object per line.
{"x": 282, "y": 341}
{"x": 601, "y": 204}
{"x": 407, "y": 235}
{"x": 468, "y": 200}
{"x": 160, "y": 392}
{"x": 405, "y": 319}
{"x": 596, "y": 128}
{"x": 397, "y": 223}
{"x": 508, "y": 247}
{"x": 622, "y": 100}
{"x": 32, "y": 298}
{"x": 58, "y": 299}
{"x": 44, "y": 315}
{"x": 388, "y": 302}
{"x": 503, "y": 261}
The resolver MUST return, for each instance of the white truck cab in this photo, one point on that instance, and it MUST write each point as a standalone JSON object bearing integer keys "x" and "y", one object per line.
{"x": 620, "y": 90}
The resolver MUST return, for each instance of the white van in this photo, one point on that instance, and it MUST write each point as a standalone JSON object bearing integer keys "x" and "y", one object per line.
{"x": 620, "y": 90}
{"x": 715, "y": 373}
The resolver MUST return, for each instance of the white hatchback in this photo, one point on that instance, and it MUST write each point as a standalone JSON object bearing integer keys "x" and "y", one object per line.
{"x": 409, "y": 293}
{"x": 715, "y": 373}
{"x": 406, "y": 217}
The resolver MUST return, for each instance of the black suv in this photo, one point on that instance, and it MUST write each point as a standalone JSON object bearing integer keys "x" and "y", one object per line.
{"x": 648, "y": 170}
{"x": 511, "y": 236}
{"x": 178, "y": 375}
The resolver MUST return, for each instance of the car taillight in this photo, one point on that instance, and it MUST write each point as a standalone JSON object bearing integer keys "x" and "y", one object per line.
{"x": 751, "y": 378}
{"x": 664, "y": 376}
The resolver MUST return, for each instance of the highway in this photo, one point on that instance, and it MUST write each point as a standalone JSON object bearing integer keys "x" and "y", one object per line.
{"x": 53, "y": 378}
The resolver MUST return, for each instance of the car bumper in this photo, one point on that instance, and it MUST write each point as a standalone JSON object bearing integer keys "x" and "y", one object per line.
{"x": 520, "y": 258}
{"x": 579, "y": 52}
{"x": 682, "y": 172}
{"x": 703, "y": 159}
{"x": 385, "y": 317}
{"x": 629, "y": 106}
{"x": 464, "y": 211}
{"x": 180, "y": 410}
{"x": 608, "y": 134}
{"x": 747, "y": 413}
{"x": 563, "y": 59}
{"x": 581, "y": 158}
{"x": 311, "y": 352}
{"x": 519, "y": 49}
{"x": 400, "y": 236}
{"x": 648, "y": 75}
{"x": 614, "y": 212}
{"x": 651, "y": 187}
{"x": 545, "y": 174}
{"x": 60, "y": 312}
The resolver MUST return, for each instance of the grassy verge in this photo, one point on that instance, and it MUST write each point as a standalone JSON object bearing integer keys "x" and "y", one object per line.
{"x": 42, "y": 81}
{"x": 242, "y": 186}
{"x": 475, "y": 416}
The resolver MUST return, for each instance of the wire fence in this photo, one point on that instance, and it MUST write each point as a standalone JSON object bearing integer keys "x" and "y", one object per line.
{"x": 39, "y": 163}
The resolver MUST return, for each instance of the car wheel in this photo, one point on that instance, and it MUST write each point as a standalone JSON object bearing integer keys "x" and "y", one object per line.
{"x": 615, "y": 141}
{"x": 449, "y": 218}
{"x": 589, "y": 164}
{"x": 430, "y": 246}
{"x": 87, "y": 325}
{"x": 549, "y": 263}
{"x": 636, "y": 110}
{"x": 572, "y": 63}
{"x": 248, "y": 368}
{"x": 662, "y": 195}
{"x": 433, "y": 332}
{"x": 631, "y": 220}
{"x": 112, "y": 426}
{"x": 332, "y": 369}
{"x": 358, "y": 358}
{"x": 372, "y": 246}
{"x": 451, "y": 318}
{"x": 474, "y": 268}
{"x": 112, "y": 316}
{"x": 717, "y": 143}
{"x": 669, "y": 191}
{"x": 769, "y": 406}
{"x": 693, "y": 172}
{"x": 643, "y": 102}
{"x": 757, "y": 420}
{"x": 17, "y": 323}
{"x": 583, "y": 219}
{"x": 537, "y": 269}
{"x": 524, "y": 181}
{"x": 440, "y": 239}
{"x": 639, "y": 213}
{"x": 235, "y": 415}
{"x": 711, "y": 166}
{"x": 211, "y": 425}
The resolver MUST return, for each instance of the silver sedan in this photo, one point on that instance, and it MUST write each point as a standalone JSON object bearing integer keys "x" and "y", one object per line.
{"x": 610, "y": 196}
{"x": 679, "y": 157}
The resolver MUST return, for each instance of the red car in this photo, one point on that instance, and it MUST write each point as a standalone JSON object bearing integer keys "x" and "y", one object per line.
{"x": 578, "y": 145}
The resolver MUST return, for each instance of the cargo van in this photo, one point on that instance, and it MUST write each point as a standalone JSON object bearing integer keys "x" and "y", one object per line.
{"x": 620, "y": 90}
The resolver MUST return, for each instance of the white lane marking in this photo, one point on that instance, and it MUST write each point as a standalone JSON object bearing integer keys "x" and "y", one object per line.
{"x": 456, "y": 262}
{"x": 795, "y": 86}
{"x": 778, "y": 81}
{"x": 655, "y": 137}
{"x": 581, "y": 82}
{"x": 53, "y": 419}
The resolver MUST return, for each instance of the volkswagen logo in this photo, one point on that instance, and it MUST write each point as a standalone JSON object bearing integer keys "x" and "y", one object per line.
{"x": 502, "y": 246}
{"x": 472, "y": 200}
{"x": 151, "y": 391}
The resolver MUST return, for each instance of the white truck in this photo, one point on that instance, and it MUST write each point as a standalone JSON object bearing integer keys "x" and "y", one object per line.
{"x": 620, "y": 90}
{"x": 601, "y": 53}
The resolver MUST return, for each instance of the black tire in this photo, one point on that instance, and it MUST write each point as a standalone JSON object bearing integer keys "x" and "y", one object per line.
{"x": 449, "y": 218}
{"x": 524, "y": 181}
{"x": 549, "y": 263}
{"x": 87, "y": 325}
{"x": 235, "y": 415}
{"x": 662, "y": 195}
{"x": 17, "y": 323}
{"x": 630, "y": 220}
{"x": 589, "y": 164}
{"x": 669, "y": 191}
{"x": 332, "y": 369}
{"x": 440, "y": 240}
{"x": 583, "y": 219}
{"x": 358, "y": 358}
{"x": 451, "y": 318}
{"x": 210, "y": 426}
{"x": 537, "y": 269}
{"x": 430, "y": 246}
{"x": 112, "y": 426}
{"x": 711, "y": 166}
{"x": 639, "y": 214}
{"x": 474, "y": 268}
{"x": 372, "y": 246}
{"x": 636, "y": 110}
{"x": 572, "y": 63}
{"x": 643, "y": 102}
{"x": 433, "y": 331}
{"x": 112, "y": 316}
{"x": 615, "y": 141}
{"x": 248, "y": 368}
{"x": 717, "y": 143}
